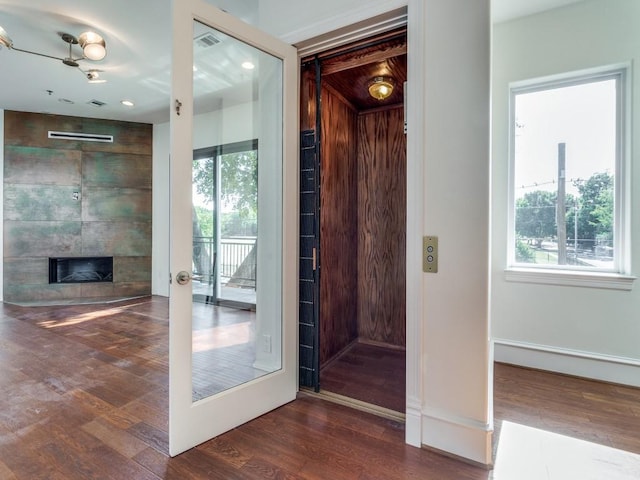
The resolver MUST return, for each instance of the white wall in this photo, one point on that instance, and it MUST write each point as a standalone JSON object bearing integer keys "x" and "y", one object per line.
{"x": 579, "y": 330}
{"x": 295, "y": 21}
{"x": 456, "y": 369}
{"x": 209, "y": 130}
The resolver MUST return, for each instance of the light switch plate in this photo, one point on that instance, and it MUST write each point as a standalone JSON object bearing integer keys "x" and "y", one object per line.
{"x": 430, "y": 254}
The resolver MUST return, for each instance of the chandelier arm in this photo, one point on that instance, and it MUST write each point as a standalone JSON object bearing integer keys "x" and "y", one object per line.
{"x": 36, "y": 53}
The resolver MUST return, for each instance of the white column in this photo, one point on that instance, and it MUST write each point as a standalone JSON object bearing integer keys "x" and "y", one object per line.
{"x": 456, "y": 360}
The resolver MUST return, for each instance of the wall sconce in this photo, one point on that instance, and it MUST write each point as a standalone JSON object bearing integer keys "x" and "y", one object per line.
{"x": 381, "y": 87}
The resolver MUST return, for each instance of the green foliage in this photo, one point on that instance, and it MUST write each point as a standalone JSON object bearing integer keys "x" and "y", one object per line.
{"x": 536, "y": 215}
{"x": 205, "y": 221}
{"x": 234, "y": 225}
{"x": 536, "y": 211}
{"x": 238, "y": 185}
{"x": 595, "y": 215}
{"x": 524, "y": 253}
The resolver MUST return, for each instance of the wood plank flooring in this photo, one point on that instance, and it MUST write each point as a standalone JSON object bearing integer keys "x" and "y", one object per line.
{"x": 368, "y": 373}
{"x": 83, "y": 395}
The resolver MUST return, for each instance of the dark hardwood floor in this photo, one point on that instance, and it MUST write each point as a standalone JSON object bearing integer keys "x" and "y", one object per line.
{"x": 83, "y": 395}
{"x": 368, "y": 373}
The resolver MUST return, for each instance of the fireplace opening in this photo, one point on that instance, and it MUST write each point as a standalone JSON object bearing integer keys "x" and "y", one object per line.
{"x": 80, "y": 269}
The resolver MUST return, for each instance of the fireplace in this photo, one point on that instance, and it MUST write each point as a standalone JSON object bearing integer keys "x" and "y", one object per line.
{"x": 80, "y": 269}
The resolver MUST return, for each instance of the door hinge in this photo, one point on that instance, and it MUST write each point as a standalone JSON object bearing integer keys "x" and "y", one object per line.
{"x": 178, "y": 106}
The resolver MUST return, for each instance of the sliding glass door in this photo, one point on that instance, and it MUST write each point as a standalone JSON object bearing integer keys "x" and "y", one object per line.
{"x": 225, "y": 224}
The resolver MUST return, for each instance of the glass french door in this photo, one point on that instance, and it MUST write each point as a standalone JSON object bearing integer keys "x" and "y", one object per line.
{"x": 232, "y": 86}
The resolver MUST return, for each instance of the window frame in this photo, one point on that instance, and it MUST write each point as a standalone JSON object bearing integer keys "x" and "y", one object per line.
{"x": 618, "y": 277}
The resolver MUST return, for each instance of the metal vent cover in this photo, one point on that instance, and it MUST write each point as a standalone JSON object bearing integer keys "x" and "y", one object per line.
{"x": 206, "y": 40}
{"x": 96, "y": 103}
{"x": 84, "y": 137}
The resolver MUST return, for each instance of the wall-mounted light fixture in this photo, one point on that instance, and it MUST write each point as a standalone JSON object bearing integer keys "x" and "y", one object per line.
{"x": 381, "y": 87}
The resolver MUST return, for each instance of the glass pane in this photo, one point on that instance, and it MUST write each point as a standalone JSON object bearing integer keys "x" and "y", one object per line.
{"x": 564, "y": 171}
{"x": 238, "y": 226}
{"x": 236, "y": 321}
{"x": 204, "y": 217}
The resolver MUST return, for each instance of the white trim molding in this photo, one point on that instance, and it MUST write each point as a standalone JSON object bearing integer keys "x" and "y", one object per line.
{"x": 570, "y": 278}
{"x": 460, "y": 436}
{"x": 607, "y": 368}
{"x": 350, "y": 19}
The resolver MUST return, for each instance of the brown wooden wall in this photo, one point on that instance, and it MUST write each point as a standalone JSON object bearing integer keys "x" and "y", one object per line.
{"x": 382, "y": 226}
{"x": 68, "y": 198}
{"x": 338, "y": 226}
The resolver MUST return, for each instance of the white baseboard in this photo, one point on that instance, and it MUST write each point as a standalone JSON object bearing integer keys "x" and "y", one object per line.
{"x": 413, "y": 424}
{"x": 460, "y": 437}
{"x": 625, "y": 371}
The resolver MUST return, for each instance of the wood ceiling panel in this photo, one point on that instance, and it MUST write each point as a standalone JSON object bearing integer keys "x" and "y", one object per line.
{"x": 349, "y": 73}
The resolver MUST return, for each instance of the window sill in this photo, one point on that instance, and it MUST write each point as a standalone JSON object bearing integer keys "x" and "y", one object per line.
{"x": 612, "y": 281}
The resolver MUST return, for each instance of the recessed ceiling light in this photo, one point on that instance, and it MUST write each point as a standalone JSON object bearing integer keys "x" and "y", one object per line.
{"x": 248, "y": 65}
{"x": 127, "y": 103}
{"x": 66, "y": 100}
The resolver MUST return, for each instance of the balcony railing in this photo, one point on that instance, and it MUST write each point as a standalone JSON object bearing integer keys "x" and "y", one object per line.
{"x": 235, "y": 261}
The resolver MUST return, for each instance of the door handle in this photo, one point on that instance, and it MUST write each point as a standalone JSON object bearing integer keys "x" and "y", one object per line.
{"x": 183, "y": 277}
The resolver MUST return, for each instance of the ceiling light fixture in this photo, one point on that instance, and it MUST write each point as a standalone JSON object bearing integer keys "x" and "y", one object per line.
{"x": 93, "y": 47}
{"x": 381, "y": 87}
{"x": 127, "y": 103}
{"x": 248, "y": 65}
{"x": 93, "y": 76}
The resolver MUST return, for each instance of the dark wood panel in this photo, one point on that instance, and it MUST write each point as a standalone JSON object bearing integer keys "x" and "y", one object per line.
{"x": 354, "y": 83}
{"x": 338, "y": 227}
{"x": 381, "y": 226}
{"x": 45, "y": 166}
{"x": 308, "y": 98}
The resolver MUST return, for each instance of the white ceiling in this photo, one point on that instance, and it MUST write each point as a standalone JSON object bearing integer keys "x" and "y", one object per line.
{"x": 137, "y": 65}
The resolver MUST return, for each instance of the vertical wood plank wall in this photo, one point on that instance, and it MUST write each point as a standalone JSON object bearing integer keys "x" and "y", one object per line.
{"x": 382, "y": 226}
{"x": 338, "y": 226}
{"x": 68, "y": 198}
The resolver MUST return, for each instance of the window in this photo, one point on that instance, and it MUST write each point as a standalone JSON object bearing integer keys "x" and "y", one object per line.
{"x": 567, "y": 192}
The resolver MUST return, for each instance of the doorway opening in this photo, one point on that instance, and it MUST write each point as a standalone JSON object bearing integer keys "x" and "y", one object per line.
{"x": 353, "y": 222}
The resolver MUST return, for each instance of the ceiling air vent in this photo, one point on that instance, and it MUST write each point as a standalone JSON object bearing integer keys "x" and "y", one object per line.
{"x": 206, "y": 40}
{"x": 84, "y": 137}
{"x": 96, "y": 103}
